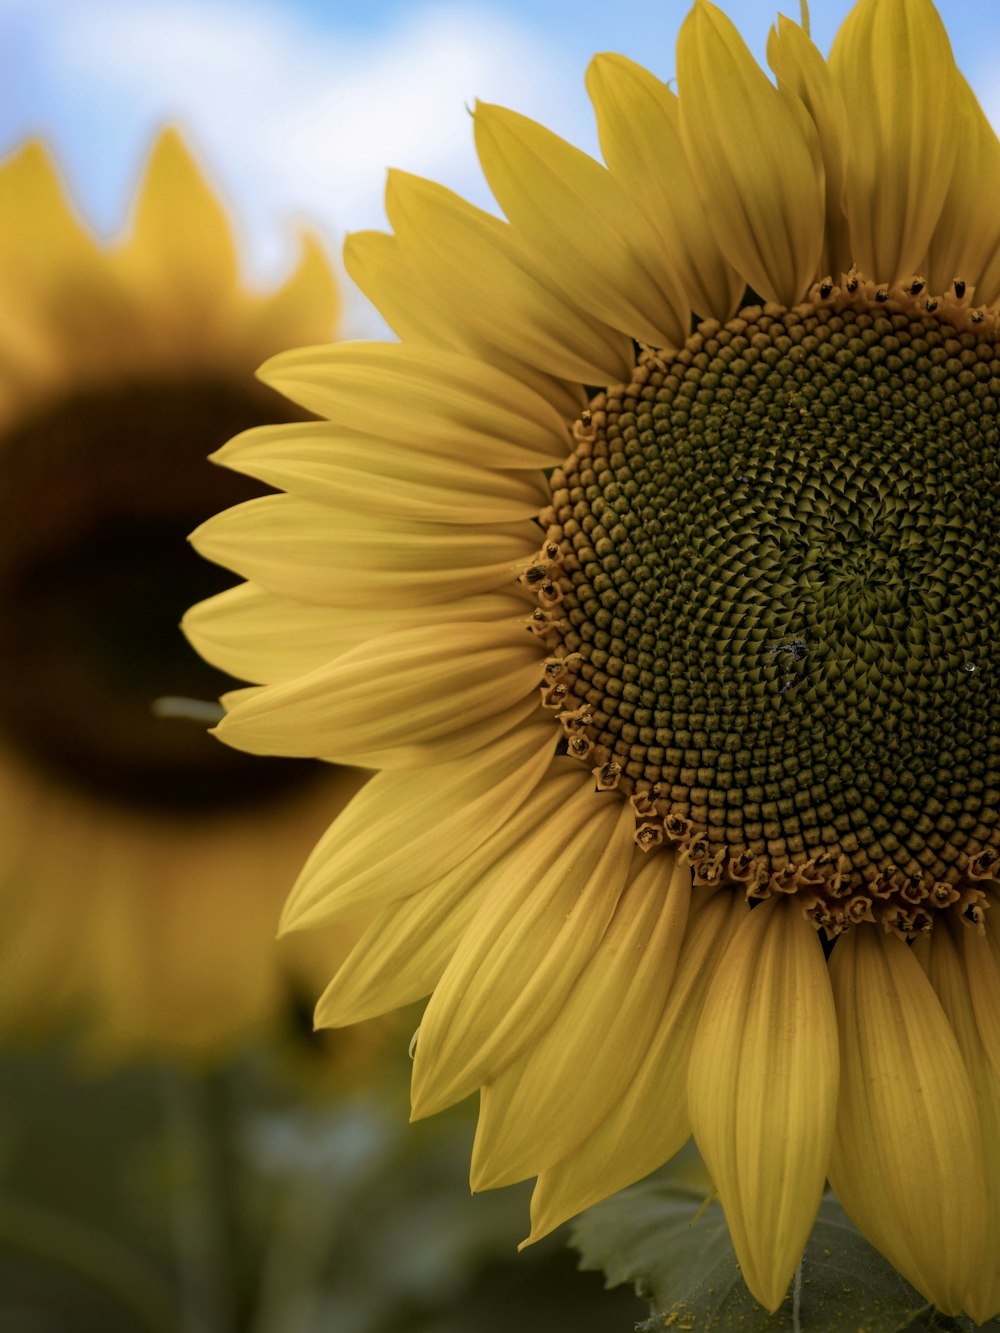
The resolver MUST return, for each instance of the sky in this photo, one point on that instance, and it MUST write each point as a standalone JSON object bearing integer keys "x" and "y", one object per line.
{"x": 297, "y": 107}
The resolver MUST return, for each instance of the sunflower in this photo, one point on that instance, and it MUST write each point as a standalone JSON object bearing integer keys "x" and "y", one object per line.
{"x": 665, "y": 542}
{"x": 139, "y": 864}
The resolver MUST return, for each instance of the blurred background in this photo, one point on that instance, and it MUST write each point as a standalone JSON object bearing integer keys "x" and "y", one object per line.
{"x": 178, "y": 1149}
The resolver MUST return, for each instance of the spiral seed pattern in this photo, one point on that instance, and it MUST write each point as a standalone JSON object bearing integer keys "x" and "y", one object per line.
{"x": 771, "y": 577}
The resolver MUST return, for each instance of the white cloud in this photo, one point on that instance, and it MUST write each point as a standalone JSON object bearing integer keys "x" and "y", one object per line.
{"x": 299, "y": 119}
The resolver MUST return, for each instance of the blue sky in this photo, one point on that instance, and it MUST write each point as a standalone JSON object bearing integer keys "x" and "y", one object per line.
{"x": 298, "y": 106}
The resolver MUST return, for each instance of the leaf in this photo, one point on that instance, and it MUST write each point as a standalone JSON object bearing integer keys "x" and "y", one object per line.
{"x": 673, "y": 1243}
{"x": 942, "y": 1323}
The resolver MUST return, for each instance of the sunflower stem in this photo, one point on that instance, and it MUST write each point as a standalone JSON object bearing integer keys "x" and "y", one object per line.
{"x": 201, "y": 1242}
{"x": 306, "y": 1218}
{"x": 797, "y": 1299}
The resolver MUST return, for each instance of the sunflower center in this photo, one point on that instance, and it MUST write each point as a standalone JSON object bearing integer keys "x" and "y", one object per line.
{"x": 98, "y": 493}
{"x": 775, "y": 589}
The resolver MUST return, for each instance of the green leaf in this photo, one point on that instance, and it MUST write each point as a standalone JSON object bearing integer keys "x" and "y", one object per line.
{"x": 669, "y": 1239}
{"x": 942, "y": 1323}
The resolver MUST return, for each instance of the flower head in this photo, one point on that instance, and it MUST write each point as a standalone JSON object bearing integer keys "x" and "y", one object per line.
{"x": 128, "y": 838}
{"x": 665, "y": 541}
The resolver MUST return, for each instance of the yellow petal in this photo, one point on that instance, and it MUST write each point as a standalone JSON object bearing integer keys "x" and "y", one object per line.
{"x": 753, "y": 157}
{"x": 650, "y": 1122}
{"x": 492, "y": 288}
{"x": 403, "y": 954}
{"x": 982, "y": 958}
{"x": 893, "y": 63}
{"x": 376, "y": 263}
{"x": 180, "y": 253}
{"x": 583, "y": 228}
{"x": 336, "y": 557}
{"x": 303, "y": 310}
{"x": 259, "y": 636}
{"x": 907, "y": 1143}
{"x": 402, "y": 831}
{"x": 762, "y": 1090}
{"x": 29, "y": 178}
{"x": 416, "y": 697}
{"x": 52, "y": 273}
{"x": 440, "y": 402}
{"x": 804, "y": 74}
{"x": 555, "y": 1094}
{"x": 517, "y": 962}
{"x": 414, "y": 310}
{"x": 941, "y": 956}
{"x": 966, "y": 240}
{"x": 331, "y": 464}
{"x": 638, "y": 122}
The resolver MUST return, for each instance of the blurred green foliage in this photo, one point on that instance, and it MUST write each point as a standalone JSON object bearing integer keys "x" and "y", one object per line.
{"x": 253, "y": 1199}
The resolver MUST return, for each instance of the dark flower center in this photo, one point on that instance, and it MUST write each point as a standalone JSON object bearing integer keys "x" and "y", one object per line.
{"x": 775, "y": 588}
{"x": 98, "y": 492}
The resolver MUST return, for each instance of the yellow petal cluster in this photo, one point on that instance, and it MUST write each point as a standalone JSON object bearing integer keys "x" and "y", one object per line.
{"x": 605, "y": 990}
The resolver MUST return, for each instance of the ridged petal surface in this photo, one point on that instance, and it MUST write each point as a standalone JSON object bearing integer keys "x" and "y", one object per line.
{"x": 338, "y": 557}
{"x": 982, "y": 958}
{"x": 416, "y": 312}
{"x": 638, "y": 122}
{"x": 265, "y": 638}
{"x": 404, "y": 700}
{"x": 582, "y": 226}
{"x": 966, "y": 240}
{"x": 496, "y": 289}
{"x": 892, "y": 61}
{"x": 338, "y": 466}
{"x": 650, "y": 1122}
{"x": 753, "y": 157}
{"x": 804, "y": 74}
{"x": 442, "y": 402}
{"x": 402, "y": 832}
{"x": 907, "y": 1147}
{"x": 941, "y": 956}
{"x": 762, "y": 1090}
{"x": 550, "y": 1098}
{"x": 522, "y": 954}
{"x": 405, "y": 951}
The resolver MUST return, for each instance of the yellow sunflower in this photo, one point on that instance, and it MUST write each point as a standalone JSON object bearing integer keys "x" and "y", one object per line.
{"x": 702, "y": 444}
{"x": 139, "y": 867}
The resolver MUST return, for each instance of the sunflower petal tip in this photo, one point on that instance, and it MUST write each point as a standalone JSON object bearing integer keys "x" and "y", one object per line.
{"x": 481, "y": 1178}
{"x": 197, "y": 537}
{"x": 293, "y": 918}
{"x": 171, "y": 138}
{"x": 426, "y": 1098}
{"x": 265, "y": 372}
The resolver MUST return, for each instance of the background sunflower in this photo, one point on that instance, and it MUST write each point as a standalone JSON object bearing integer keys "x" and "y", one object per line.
{"x": 140, "y": 869}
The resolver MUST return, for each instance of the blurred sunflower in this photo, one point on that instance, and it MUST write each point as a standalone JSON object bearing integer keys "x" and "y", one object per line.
{"x": 702, "y": 443}
{"x": 140, "y": 867}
